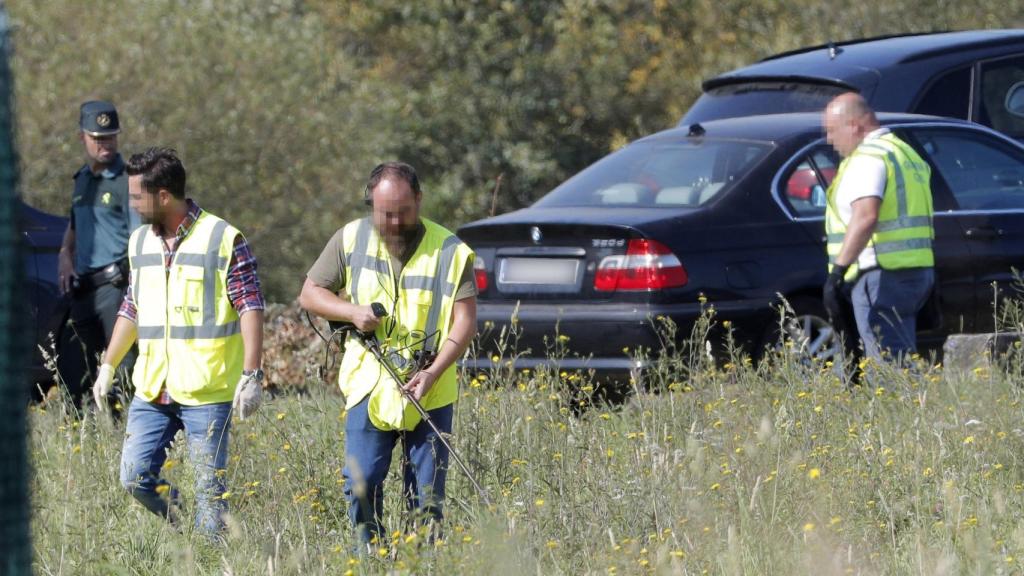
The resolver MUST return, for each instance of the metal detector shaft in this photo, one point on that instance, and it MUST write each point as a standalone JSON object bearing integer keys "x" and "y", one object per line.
{"x": 370, "y": 340}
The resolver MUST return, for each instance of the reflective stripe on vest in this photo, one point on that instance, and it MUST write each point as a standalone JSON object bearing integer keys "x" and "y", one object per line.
{"x": 189, "y": 333}
{"x": 442, "y": 290}
{"x": 903, "y": 235}
{"x": 420, "y": 316}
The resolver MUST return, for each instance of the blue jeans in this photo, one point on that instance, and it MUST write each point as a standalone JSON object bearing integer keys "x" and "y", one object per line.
{"x": 368, "y": 459}
{"x": 885, "y": 304}
{"x": 150, "y": 430}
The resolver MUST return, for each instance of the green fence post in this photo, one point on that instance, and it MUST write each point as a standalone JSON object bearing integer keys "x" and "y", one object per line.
{"x": 15, "y": 548}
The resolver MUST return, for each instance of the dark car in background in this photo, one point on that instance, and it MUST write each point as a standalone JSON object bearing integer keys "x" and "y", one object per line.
{"x": 731, "y": 212}
{"x": 971, "y": 75}
{"x": 42, "y": 234}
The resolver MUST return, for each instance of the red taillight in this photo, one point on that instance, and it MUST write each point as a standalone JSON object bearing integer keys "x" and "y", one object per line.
{"x": 480, "y": 271}
{"x": 646, "y": 265}
{"x": 800, "y": 184}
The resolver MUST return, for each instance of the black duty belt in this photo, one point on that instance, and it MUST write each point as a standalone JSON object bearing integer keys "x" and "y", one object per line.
{"x": 115, "y": 273}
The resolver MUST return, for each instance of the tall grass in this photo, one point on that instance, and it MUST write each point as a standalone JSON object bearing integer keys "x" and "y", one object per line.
{"x": 737, "y": 468}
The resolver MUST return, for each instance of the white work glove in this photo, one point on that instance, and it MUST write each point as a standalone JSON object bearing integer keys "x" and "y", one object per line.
{"x": 100, "y": 389}
{"x": 248, "y": 395}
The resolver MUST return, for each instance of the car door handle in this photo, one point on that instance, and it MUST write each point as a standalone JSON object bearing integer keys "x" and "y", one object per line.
{"x": 983, "y": 233}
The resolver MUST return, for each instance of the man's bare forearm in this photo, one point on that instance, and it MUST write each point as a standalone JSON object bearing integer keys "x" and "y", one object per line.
{"x": 252, "y": 338}
{"x": 66, "y": 261}
{"x": 67, "y": 245}
{"x": 121, "y": 340}
{"x": 859, "y": 231}
{"x": 459, "y": 337}
{"x": 324, "y": 303}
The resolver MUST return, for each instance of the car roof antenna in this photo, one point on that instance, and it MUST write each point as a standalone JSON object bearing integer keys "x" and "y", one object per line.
{"x": 696, "y": 130}
{"x": 833, "y": 50}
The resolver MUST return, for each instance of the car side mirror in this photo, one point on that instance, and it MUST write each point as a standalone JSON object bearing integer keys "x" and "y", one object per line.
{"x": 1015, "y": 100}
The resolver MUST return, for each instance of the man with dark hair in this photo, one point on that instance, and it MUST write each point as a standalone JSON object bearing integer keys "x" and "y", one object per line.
{"x": 92, "y": 265}
{"x": 423, "y": 276}
{"x": 194, "y": 305}
{"x": 879, "y": 226}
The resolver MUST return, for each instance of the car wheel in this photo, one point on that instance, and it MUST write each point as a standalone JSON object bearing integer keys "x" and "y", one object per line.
{"x": 808, "y": 329}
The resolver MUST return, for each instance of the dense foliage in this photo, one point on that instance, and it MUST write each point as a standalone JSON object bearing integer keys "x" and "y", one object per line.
{"x": 281, "y": 108}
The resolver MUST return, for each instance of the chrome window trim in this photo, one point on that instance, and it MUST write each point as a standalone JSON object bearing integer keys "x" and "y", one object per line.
{"x": 969, "y": 127}
{"x": 777, "y": 182}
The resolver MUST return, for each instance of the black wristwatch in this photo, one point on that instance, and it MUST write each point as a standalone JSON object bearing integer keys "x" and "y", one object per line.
{"x": 256, "y": 374}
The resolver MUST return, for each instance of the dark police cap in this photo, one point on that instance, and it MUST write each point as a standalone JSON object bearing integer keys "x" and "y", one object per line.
{"x": 99, "y": 118}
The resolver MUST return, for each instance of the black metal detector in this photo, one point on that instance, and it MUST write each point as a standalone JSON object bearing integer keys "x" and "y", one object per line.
{"x": 369, "y": 340}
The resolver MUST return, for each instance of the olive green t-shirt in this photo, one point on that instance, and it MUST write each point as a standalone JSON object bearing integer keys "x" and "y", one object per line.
{"x": 329, "y": 269}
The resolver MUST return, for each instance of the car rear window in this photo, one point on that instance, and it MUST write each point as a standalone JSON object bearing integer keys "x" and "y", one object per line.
{"x": 757, "y": 98}
{"x": 669, "y": 173}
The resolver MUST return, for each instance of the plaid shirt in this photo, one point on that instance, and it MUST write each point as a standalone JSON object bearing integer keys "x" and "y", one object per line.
{"x": 243, "y": 283}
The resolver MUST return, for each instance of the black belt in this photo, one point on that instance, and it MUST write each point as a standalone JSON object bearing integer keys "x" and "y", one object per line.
{"x": 115, "y": 273}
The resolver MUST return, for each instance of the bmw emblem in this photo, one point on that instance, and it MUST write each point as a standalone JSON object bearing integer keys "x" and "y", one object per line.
{"x": 535, "y": 235}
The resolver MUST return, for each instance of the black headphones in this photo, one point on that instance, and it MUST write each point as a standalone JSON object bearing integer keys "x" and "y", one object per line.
{"x": 374, "y": 174}
{"x": 406, "y": 170}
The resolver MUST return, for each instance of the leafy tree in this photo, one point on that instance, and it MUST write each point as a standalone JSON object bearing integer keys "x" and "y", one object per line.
{"x": 281, "y": 108}
{"x": 276, "y": 132}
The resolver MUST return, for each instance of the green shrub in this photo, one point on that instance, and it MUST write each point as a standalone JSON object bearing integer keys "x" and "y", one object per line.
{"x": 281, "y": 108}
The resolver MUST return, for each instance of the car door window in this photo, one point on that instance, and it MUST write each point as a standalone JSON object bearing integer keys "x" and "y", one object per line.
{"x": 803, "y": 188}
{"x": 999, "y": 95}
{"x": 949, "y": 95}
{"x": 982, "y": 172}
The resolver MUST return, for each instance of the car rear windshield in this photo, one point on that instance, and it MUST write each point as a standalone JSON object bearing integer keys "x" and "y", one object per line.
{"x": 757, "y": 98}
{"x": 669, "y": 173}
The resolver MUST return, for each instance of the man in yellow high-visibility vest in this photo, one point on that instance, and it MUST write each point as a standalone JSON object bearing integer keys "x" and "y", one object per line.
{"x": 423, "y": 275}
{"x": 879, "y": 229}
{"x": 195, "y": 306}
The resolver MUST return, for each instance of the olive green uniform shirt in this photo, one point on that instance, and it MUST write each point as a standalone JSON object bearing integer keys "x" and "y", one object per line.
{"x": 329, "y": 269}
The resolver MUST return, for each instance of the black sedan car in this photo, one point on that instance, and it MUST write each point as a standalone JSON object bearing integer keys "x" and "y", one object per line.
{"x": 730, "y": 212}
{"x": 975, "y": 75}
{"x": 41, "y": 239}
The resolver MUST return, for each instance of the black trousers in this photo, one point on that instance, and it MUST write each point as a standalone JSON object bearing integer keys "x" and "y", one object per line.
{"x": 84, "y": 337}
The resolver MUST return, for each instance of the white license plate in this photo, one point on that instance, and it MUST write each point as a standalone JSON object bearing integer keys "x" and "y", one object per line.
{"x": 538, "y": 271}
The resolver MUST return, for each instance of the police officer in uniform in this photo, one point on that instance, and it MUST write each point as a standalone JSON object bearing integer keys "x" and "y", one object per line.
{"x": 92, "y": 266}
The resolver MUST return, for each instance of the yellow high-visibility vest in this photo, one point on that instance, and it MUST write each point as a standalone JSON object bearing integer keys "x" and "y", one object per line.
{"x": 190, "y": 336}
{"x": 419, "y": 304}
{"x": 903, "y": 235}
